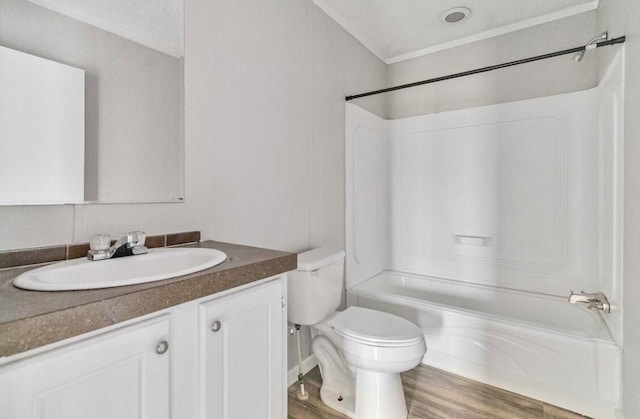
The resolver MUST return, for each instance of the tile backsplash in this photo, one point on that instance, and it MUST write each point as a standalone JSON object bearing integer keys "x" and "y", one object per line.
{"x": 38, "y": 255}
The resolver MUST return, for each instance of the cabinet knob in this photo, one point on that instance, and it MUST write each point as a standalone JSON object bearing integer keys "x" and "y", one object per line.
{"x": 215, "y": 326}
{"x": 162, "y": 347}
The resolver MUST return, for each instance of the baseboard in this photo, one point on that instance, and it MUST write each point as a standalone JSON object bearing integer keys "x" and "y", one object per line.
{"x": 307, "y": 365}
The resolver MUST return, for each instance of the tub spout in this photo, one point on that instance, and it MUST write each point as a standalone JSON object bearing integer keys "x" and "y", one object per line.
{"x": 596, "y": 301}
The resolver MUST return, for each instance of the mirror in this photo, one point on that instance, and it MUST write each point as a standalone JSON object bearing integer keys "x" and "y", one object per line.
{"x": 131, "y": 54}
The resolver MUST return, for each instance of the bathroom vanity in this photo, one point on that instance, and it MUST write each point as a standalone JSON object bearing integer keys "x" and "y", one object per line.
{"x": 209, "y": 344}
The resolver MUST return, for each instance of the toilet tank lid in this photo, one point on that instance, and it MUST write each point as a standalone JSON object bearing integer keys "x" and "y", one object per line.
{"x": 318, "y": 258}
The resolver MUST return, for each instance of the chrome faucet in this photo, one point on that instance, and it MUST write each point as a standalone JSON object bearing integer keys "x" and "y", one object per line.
{"x": 129, "y": 245}
{"x": 596, "y": 301}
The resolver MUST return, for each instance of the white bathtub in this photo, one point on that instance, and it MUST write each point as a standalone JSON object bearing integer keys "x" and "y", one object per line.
{"x": 536, "y": 345}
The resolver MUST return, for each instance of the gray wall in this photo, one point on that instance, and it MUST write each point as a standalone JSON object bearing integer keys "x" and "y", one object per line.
{"x": 621, "y": 17}
{"x": 542, "y": 78}
{"x": 272, "y": 85}
{"x": 133, "y": 99}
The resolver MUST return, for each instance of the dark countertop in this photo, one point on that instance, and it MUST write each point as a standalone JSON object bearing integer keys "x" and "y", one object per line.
{"x": 30, "y": 319}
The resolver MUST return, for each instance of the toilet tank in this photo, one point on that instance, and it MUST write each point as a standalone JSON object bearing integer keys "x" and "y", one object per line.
{"x": 315, "y": 288}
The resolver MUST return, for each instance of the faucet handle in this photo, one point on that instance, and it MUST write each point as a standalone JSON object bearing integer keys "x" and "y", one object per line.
{"x": 135, "y": 242}
{"x": 136, "y": 238}
{"x": 100, "y": 242}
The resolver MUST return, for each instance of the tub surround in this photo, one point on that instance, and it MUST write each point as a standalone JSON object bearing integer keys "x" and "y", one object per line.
{"x": 487, "y": 217}
{"x": 31, "y": 319}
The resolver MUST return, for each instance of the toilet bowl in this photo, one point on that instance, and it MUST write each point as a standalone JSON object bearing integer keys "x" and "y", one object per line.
{"x": 360, "y": 352}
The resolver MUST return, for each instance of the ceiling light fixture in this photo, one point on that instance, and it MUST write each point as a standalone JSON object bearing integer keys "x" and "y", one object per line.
{"x": 455, "y": 15}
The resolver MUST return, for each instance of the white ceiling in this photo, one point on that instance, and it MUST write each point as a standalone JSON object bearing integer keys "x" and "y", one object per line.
{"x": 157, "y": 24}
{"x": 396, "y": 30}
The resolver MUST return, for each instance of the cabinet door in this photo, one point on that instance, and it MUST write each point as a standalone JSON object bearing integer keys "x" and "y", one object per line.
{"x": 121, "y": 374}
{"x": 241, "y": 355}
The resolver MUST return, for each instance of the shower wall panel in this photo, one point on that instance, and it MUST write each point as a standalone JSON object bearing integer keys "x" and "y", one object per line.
{"x": 503, "y": 195}
{"x": 367, "y": 151}
{"x": 523, "y": 195}
{"x": 610, "y": 151}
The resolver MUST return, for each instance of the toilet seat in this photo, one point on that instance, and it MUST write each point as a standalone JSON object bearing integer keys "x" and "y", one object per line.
{"x": 375, "y": 328}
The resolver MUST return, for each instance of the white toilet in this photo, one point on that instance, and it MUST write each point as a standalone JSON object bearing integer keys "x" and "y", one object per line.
{"x": 361, "y": 352}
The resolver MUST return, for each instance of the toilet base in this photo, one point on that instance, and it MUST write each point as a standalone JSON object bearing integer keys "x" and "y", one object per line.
{"x": 343, "y": 404}
{"x": 379, "y": 396}
{"x": 364, "y": 381}
{"x": 337, "y": 389}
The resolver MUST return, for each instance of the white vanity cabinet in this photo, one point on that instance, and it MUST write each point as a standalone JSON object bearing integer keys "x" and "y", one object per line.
{"x": 121, "y": 374}
{"x": 221, "y": 356}
{"x": 241, "y": 355}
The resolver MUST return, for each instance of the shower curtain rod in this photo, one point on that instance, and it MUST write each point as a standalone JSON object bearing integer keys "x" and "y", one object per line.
{"x": 613, "y": 41}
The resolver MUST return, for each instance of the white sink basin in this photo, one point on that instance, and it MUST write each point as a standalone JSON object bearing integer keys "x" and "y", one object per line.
{"x": 83, "y": 274}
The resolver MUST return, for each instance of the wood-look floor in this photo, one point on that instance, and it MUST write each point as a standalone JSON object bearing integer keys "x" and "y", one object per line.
{"x": 433, "y": 393}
